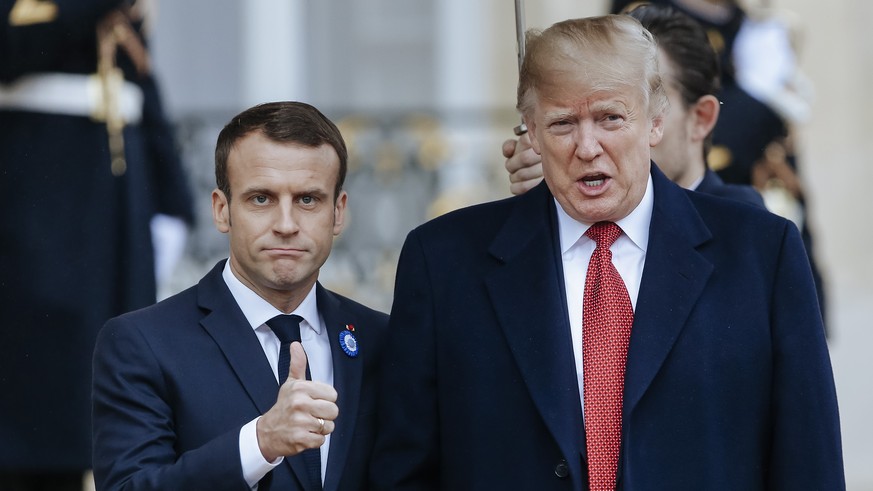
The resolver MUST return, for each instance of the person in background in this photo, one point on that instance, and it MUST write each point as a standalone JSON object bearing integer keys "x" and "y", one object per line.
{"x": 764, "y": 97}
{"x": 88, "y": 161}
{"x": 607, "y": 329}
{"x": 211, "y": 388}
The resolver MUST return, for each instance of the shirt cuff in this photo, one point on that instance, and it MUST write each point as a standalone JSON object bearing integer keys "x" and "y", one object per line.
{"x": 254, "y": 465}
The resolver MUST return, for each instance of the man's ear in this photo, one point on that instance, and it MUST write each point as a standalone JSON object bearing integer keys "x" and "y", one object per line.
{"x": 705, "y": 112}
{"x": 220, "y": 211}
{"x": 656, "y": 132}
{"x": 339, "y": 212}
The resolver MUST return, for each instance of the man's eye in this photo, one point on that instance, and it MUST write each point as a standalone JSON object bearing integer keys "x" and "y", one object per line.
{"x": 260, "y": 199}
{"x": 307, "y": 200}
{"x": 561, "y": 126}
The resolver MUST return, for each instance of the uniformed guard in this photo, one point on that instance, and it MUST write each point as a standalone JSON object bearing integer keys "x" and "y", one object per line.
{"x": 87, "y": 159}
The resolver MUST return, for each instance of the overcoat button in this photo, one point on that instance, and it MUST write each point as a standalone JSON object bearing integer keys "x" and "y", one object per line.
{"x": 561, "y": 470}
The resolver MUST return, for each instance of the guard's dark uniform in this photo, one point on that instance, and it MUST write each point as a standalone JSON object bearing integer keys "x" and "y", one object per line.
{"x": 75, "y": 246}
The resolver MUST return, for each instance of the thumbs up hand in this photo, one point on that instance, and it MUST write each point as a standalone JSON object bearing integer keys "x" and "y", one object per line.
{"x": 297, "y": 368}
{"x": 303, "y": 414}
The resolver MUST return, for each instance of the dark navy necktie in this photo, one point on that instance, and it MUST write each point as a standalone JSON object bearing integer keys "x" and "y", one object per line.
{"x": 287, "y": 329}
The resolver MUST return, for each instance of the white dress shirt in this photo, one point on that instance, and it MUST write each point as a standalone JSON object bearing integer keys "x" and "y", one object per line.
{"x": 628, "y": 256}
{"x": 316, "y": 343}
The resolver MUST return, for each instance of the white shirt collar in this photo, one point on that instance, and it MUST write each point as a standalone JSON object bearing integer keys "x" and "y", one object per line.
{"x": 635, "y": 225}
{"x": 258, "y": 311}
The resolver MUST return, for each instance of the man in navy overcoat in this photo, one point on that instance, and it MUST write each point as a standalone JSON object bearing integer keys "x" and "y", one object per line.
{"x": 727, "y": 382}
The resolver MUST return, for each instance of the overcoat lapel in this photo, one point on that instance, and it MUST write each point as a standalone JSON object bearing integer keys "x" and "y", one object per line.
{"x": 232, "y": 333}
{"x": 527, "y": 290}
{"x": 673, "y": 279}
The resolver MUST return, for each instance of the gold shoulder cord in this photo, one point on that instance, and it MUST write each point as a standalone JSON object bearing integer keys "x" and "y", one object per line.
{"x": 111, "y": 79}
{"x": 29, "y": 12}
{"x": 114, "y": 32}
{"x": 111, "y": 30}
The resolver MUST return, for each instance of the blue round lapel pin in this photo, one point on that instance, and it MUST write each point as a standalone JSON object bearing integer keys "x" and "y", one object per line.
{"x": 348, "y": 342}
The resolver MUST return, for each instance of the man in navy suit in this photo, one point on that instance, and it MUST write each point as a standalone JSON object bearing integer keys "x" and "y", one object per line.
{"x": 187, "y": 393}
{"x": 726, "y": 383}
{"x": 690, "y": 73}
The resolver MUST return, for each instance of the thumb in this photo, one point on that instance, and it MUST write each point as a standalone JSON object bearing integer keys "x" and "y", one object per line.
{"x": 509, "y": 148}
{"x": 297, "y": 369}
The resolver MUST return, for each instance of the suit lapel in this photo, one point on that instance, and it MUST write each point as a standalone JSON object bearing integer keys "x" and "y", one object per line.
{"x": 347, "y": 376}
{"x": 229, "y": 328}
{"x": 347, "y": 382}
{"x": 528, "y": 293}
{"x": 232, "y": 333}
{"x": 673, "y": 279}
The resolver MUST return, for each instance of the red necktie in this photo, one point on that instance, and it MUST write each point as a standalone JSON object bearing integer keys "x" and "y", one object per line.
{"x": 607, "y": 316}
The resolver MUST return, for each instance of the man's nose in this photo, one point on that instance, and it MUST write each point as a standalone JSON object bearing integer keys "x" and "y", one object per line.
{"x": 587, "y": 145}
{"x": 286, "y": 220}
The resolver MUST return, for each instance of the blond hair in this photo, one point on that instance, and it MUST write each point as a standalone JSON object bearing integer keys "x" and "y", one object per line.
{"x": 609, "y": 51}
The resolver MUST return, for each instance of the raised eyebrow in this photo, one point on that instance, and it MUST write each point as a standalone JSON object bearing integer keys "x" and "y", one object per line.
{"x": 609, "y": 107}
{"x": 558, "y": 115}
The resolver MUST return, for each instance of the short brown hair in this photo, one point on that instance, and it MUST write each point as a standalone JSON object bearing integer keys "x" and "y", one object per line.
{"x": 286, "y": 122}
{"x": 685, "y": 43}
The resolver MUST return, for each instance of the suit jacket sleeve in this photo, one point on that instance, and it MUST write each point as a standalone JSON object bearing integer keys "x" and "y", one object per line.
{"x": 806, "y": 450}
{"x": 134, "y": 431}
{"x": 407, "y": 447}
